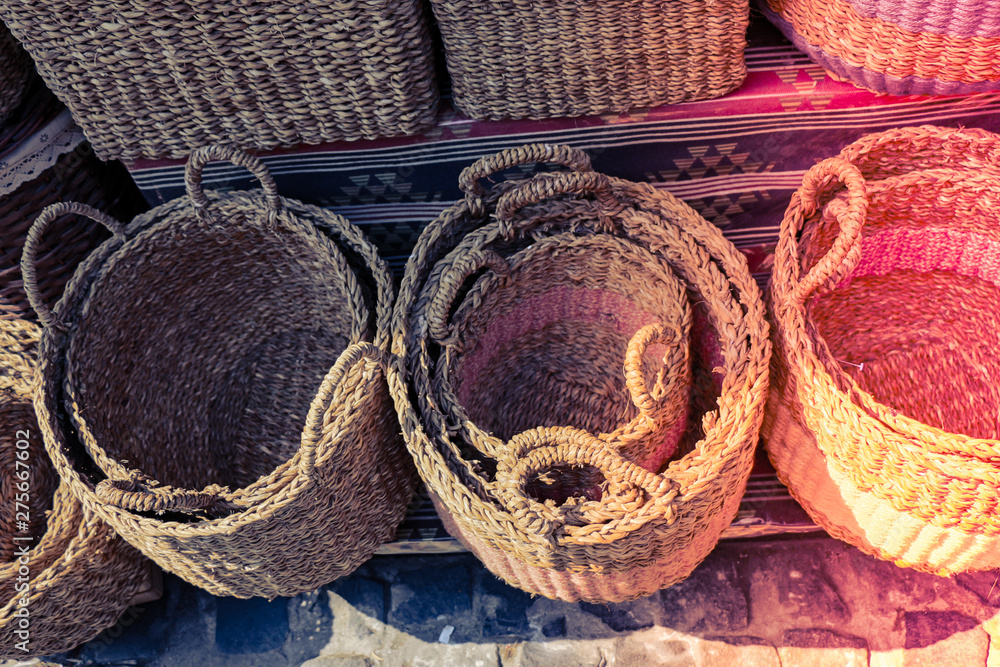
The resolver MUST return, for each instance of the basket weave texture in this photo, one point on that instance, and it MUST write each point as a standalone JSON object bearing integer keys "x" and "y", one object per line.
{"x": 80, "y": 575}
{"x": 557, "y": 58}
{"x": 244, "y": 334}
{"x": 883, "y": 418}
{"x": 159, "y": 79}
{"x": 76, "y": 176}
{"x": 519, "y": 310}
{"x": 16, "y": 73}
{"x": 900, "y": 47}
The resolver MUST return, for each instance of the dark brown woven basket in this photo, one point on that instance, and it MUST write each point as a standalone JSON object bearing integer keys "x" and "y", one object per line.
{"x": 16, "y": 73}
{"x": 76, "y": 176}
{"x": 554, "y": 58}
{"x": 159, "y": 79}
{"x": 77, "y": 576}
{"x": 242, "y": 334}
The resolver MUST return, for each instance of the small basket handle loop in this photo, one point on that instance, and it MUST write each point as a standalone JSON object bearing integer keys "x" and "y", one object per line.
{"x": 452, "y": 280}
{"x": 850, "y": 216}
{"x": 547, "y": 186}
{"x": 29, "y": 254}
{"x": 539, "y": 449}
{"x": 201, "y": 157}
{"x": 139, "y": 494}
{"x": 469, "y": 179}
{"x": 643, "y": 397}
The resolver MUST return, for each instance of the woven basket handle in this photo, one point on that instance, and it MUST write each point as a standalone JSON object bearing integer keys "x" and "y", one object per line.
{"x": 138, "y": 494}
{"x": 315, "y": 427}
{"x": 538, "y": 450}
{"x": 439, "y": 309}
{"x": 547, "y": 186}
{"x": 838, "y": 261}
{"x": 30, "y": 251}
{"x": 645, "y": 398}
{"x": 201, "y": 157}
{"x": 469, "y": 179}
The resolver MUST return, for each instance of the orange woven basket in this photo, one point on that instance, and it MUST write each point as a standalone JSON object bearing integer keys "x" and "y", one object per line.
{"x": 883, "y": 420}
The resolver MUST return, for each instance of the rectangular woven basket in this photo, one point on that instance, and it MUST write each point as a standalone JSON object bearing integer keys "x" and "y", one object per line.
{"x": 559, "y": 58}
{"x": 150, "y": 78}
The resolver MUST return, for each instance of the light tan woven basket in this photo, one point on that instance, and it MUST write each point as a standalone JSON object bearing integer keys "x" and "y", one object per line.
{"x": 160, "y": 79}
{"x": 64, "y": 575}
{"x": 883, "y": 420}
{"x": 554, "y": 58}
{"x": 244, "y": 334}
{"x": 648, "y": 529}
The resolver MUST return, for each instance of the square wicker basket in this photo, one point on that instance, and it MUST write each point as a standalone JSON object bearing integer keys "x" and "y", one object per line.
{"x": 150, "y": 78}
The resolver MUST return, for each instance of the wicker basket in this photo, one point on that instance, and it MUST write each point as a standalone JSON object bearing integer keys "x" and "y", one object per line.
{"x": 883, "y": 421}
{"x": 900, "y": 47}
{"x": 246, "y": 333}
{"x": 554, "y": 58}
{"x": 16, "y": 74}
{"x": 77, "y": 576}
{"x": 77, "y": 175}
{"x": 642, "y": 530}
{"x": 159, "y": 79}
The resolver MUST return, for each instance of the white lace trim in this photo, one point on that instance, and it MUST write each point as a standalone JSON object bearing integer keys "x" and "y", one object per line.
{"x": 39, "y": 152}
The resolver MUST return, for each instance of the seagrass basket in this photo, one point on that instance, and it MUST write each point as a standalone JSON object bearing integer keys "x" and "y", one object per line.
{"x": 16, "y": 74}
{"x": 883, "y": 421}
{"x": 158, "y": 79}
{"x": 220, "y": 361}
{"x": 899, "y": 47}
{"x": 558, "y": 58}
{"x": 65, "y": 575}
{"x": 76, "y": 175}
{"x": 555, "y": 509}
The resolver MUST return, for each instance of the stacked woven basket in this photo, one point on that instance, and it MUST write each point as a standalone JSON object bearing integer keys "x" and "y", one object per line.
{"x": 519, "y": 308}
{"x": 884, "y": 417}
{"x": 900, "y": 47}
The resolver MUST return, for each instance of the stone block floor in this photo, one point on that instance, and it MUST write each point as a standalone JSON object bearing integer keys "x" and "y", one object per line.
{"x": 796, "y": 602}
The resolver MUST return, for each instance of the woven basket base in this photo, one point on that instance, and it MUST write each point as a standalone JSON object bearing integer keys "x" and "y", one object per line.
{"x": 857, "y": 517}
{"x": 594, "y": 587}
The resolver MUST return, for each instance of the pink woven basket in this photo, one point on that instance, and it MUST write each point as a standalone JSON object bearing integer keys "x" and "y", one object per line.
{"x": 900, "y": 47}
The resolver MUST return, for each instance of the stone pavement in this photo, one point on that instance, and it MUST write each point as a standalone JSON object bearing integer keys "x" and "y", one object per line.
{"x": 800, "y": 602}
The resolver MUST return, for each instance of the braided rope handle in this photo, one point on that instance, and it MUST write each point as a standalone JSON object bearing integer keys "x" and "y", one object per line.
{"x": 548, "y": 186}
{"x": 850, "y": 215}
{"x": 470, "y": 178}
{"x": 313, "y": 430}
{"x": 438, "y": 326}
{"x": 537, "y": 450}
{"x": 201, "y": 157}
{"x": 29, "y": 253}
{"x": 139, "y": 493}
{"x": 648, "y": 399}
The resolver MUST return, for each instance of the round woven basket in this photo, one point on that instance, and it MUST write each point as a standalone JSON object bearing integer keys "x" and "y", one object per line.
{"x": 883, "y": 422}
{"x": 559, "y": 58}
{"x": 64, "y": 575}
{"x": 900, "y": 47}
{"x": 617, "y": 530}
{"x": 244, "y": 334}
